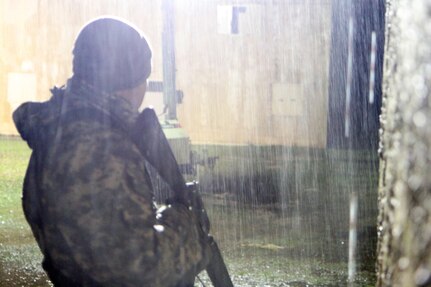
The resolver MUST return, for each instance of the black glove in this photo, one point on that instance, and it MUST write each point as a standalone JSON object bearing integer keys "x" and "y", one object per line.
{"x": 191, "y": 198}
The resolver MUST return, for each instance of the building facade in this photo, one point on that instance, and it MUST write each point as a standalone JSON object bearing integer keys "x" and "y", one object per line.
{"x": 251, "y": 71}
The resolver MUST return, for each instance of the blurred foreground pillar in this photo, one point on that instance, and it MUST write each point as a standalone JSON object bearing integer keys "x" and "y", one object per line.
{"x": 404, "y": 250}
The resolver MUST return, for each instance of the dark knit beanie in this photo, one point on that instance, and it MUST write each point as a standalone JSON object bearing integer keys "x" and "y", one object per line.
{"x": 111, "y": 55}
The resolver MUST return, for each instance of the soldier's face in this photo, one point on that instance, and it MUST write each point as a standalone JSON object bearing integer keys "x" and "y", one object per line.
{"x": 140, "y": 94}
{"x": 135, "y": 96}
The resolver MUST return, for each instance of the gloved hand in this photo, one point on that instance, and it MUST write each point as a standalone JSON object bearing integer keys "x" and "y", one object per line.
{"x": 191, "y": 198}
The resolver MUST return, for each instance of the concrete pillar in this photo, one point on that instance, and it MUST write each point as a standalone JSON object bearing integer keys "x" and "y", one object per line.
{"x": 404, "y": 250}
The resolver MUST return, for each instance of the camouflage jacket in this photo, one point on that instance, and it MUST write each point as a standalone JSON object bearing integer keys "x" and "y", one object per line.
{"x": 89, "y": 202}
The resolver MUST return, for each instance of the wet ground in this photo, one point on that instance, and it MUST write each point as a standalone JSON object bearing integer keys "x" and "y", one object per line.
{"x": 262, "y": 244}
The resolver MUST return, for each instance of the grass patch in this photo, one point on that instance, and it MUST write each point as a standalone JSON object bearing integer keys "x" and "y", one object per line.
{"x": 19, "y": 255}
{"x": 14, "y": 155}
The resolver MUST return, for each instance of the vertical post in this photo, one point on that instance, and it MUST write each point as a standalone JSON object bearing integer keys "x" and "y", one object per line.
{"x": 168, "y": 50}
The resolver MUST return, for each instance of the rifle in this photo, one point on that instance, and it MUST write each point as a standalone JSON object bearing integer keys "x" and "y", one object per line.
{"x": 152, "y": 142}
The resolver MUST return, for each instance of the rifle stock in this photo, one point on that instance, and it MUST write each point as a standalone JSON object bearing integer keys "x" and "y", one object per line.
{"x": 217, "y": 270}
{"x": 152, "y": 142}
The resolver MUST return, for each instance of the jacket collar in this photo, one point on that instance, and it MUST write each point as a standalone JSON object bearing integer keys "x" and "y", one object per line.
{"x": 117, "y": 107}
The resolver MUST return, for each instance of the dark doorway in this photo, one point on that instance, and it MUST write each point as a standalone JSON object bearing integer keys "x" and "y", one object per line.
{"x": 363, "y": 117}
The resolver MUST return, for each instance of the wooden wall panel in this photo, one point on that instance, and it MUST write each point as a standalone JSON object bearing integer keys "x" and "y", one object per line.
{"x": 227, "y": 79}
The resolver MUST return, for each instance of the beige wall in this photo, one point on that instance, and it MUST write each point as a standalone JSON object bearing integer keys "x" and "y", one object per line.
{"x": 228, "y": 79}
{"x": 265, "y": 85}
{"x": 45, "y": 36}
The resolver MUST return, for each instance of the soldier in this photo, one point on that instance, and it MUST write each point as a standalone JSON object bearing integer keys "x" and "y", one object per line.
{"x": 86, "y": 195}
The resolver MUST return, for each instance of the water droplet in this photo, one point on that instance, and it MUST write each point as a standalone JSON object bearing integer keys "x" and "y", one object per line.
{"x": 403, "y": 263}
{"x": 397, "y": 231}
{"x": 394, "y": 202}
{"x": 414, "y": 182}
{"x": 399, "y": 188}
{"x": 419, "y": 119}
{"x": 159, "y": 228}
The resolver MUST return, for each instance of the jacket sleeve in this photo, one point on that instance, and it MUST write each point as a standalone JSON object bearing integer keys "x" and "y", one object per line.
{"x": 105, "y": 214}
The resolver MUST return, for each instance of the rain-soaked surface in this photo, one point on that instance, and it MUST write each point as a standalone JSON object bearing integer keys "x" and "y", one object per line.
{"x": 300, "y": 241}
